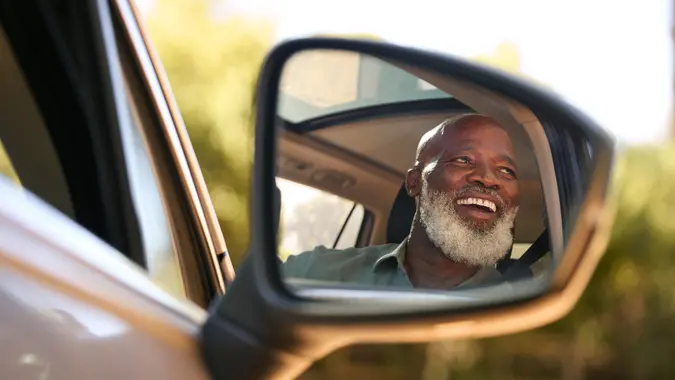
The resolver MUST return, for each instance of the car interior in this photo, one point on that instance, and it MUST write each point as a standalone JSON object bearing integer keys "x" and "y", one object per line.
{"x": 362, "y": 154}
{"x": 51, "y": 153}
{"x": 30, "y": 149}
{"x": 365, "y": 158}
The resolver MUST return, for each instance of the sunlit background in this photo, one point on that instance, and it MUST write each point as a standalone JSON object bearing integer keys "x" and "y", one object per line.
{"x": 611, "y": 59}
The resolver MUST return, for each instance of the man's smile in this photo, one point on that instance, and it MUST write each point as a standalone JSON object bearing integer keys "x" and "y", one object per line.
{"x": 477, "y": 209}
{"x": 478, "y": 202}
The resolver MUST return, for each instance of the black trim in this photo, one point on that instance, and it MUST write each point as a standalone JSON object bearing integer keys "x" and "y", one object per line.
{"x": 381, "y": 111}
{"x": 58, "y": 46}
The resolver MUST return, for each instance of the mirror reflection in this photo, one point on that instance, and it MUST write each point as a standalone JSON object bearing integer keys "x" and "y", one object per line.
{"x": 386, "y": 180}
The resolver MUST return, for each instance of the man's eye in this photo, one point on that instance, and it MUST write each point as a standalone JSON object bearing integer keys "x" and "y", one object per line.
{"x": 462, "y": 160}
{"x": 509, "y": 171}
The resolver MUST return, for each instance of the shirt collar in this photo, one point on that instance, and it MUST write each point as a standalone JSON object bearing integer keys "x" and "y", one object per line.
{"x": 397, "y": 255}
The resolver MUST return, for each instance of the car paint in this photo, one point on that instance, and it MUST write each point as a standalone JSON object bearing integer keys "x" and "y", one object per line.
{"x": 72, "y": 307}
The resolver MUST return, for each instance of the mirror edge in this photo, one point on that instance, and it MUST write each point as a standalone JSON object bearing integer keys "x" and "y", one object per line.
{"x": 284, "y": 323}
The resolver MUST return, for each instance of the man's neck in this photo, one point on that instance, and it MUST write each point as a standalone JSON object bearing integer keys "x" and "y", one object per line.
{"x": 428, "y": 267}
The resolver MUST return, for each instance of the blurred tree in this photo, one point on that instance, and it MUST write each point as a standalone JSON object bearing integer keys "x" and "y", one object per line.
{"x": 507, "y": 57}
{"x": 213, "y": 65}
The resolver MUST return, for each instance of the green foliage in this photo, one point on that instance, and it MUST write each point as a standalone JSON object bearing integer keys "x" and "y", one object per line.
{"x": 212, "y": 66}
{"x": 506, "y": 57}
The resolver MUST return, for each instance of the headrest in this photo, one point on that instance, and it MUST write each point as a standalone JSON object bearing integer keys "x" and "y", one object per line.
{"x": 400, "y": 217}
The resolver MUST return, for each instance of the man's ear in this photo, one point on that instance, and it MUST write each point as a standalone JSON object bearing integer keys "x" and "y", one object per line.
{"x": 413, "y": 182}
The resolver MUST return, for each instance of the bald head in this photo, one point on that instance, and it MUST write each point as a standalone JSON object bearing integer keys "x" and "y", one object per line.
{"x": 432, "y": 141}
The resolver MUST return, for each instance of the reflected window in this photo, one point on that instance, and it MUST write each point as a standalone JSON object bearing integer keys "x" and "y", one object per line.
{"x": 317, "y": 83}
{"x": 311, "y": 217}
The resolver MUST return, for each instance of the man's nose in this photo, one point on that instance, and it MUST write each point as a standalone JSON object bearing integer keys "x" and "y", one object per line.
{"x": 485, "y": 177}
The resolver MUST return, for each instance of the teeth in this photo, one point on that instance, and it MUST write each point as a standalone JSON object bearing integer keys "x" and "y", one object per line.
{"x": 479, "y": 202}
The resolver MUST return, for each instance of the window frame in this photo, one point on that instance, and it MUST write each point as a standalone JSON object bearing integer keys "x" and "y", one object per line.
{"x": 191, "y": 212}
{"x": 80, "y": 121}
{"x": 91, "y": 123}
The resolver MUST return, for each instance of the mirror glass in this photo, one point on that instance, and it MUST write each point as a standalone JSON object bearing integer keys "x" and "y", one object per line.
{"x": 391, "y": 177}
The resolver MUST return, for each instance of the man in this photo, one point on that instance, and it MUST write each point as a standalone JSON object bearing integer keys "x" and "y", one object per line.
{"x": 465, "y": 184}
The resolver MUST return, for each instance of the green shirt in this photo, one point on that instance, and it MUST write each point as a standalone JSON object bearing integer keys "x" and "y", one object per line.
{"x": 374, "y": 265}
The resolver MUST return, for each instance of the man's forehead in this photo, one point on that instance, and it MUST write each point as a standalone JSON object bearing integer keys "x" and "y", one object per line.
{"x": 472, "y": 130}
{"x": 454, "y": 131}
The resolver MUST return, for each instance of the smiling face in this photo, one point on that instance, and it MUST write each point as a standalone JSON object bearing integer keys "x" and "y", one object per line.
{"x": 476, "y": 164}
{"x": 466, "y": 183}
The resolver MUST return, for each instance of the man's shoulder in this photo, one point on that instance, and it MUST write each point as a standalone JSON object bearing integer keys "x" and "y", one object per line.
{"x": 332, "y": 264}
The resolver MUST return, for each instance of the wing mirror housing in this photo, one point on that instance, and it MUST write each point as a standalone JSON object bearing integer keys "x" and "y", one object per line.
{"x": 283, "y": 327}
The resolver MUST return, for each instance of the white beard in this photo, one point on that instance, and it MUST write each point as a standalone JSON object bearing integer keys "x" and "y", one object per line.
{"x": 457, "y": 238}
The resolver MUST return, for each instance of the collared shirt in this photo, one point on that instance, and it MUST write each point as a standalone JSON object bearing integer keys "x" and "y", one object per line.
{"x": 375, "y": 265}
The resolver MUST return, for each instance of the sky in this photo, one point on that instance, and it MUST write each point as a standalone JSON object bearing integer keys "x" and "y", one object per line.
{"x": 610, "y": 58}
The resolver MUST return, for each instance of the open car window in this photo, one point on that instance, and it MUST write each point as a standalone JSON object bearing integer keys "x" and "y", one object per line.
{"x": 61, "y": 154}
{"x": 311, "y": 217}
{"x": 345, "y": 82}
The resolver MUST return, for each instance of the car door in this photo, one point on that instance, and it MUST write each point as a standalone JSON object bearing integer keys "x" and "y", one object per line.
{"x": 108, "y": 240}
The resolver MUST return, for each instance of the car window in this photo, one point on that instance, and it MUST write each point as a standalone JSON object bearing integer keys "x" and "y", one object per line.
{"x": 40, "y": 163}
{"x": 310, "y": 87}
{"x": 27, "y": 153}
{"x": 161, "y": 257}
{"x": 349, "y": 235}
{"x": 311, "y": 217}
{"x": 191, "y": 236}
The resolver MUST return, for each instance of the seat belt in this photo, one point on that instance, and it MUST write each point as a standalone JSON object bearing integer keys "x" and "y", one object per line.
{"x": 536, "y": 251}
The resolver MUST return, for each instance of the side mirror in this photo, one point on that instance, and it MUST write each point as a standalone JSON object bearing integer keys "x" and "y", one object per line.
{"x": 499, "y": 184}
